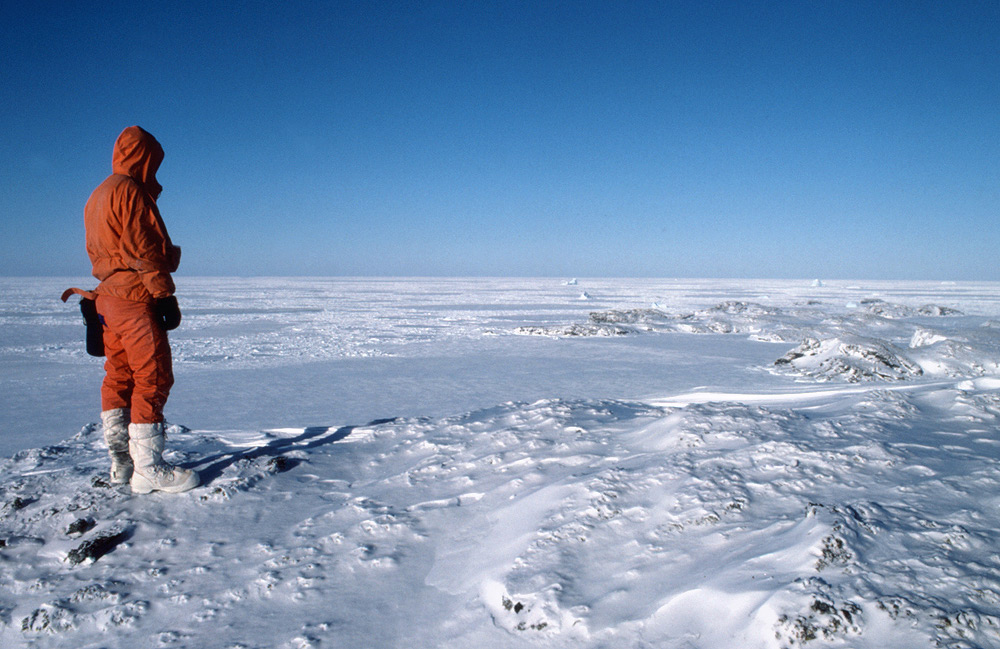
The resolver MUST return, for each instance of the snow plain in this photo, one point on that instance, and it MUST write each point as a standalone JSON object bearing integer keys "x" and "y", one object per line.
{"x": 518, "y": 463}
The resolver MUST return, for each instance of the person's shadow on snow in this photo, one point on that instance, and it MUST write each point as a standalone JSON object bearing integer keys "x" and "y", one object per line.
{"x": 311, "y": 437}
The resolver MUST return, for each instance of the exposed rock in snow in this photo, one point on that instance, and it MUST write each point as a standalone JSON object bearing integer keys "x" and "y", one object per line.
{"x": 744, "y": 308}
{"x": 575, "y": 330}
{"x": 97, "y": 546}
{"x": 885, "y": 309}
{"x": 850, "y": 359}
{"x": 937, "y": 310}
{"x": 629, "y": 316}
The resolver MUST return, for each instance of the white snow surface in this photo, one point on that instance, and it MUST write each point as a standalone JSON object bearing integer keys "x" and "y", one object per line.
{"x": 498, "y": 463}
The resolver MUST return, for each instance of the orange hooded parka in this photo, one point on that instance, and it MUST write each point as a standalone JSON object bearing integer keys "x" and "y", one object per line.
{"x": 127, "y": 241}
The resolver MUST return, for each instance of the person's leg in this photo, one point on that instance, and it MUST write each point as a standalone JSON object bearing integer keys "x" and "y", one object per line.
{"x": 152, "y": 473}
{"x": 116, "y": 390}
{"x": 116, "y": 397}
{"x": 148, "y": 353}
{"x": 116, "y": 422}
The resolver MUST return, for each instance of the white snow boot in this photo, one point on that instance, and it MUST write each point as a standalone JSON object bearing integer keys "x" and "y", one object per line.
{"x": 116, "y": 435}
{"x": 151, "y": 473}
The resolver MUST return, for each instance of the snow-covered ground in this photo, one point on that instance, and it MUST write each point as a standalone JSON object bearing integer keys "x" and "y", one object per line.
{"x": 518, "y": 463}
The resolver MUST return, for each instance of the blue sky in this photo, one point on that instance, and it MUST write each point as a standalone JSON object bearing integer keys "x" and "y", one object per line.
{"x": 803, "y": 139}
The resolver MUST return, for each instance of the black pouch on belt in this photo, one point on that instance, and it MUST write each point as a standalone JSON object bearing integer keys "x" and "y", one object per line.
{"x": 95, "y": 328}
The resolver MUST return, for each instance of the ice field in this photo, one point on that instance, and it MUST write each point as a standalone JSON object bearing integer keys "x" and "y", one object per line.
{"x": 517, "y": 463}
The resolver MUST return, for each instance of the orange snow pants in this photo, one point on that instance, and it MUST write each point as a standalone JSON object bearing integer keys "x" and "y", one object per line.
{"x": 138, "y": 369}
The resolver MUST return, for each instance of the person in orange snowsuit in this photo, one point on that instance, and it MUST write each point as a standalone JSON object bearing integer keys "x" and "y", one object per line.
{"x": 133, "y": 258}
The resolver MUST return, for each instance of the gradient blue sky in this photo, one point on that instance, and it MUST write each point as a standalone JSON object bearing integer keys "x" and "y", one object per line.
{"x": 807, "y": 139}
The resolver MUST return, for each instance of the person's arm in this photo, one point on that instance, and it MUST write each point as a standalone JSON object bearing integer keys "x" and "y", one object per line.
{"x": 146, "y": 246}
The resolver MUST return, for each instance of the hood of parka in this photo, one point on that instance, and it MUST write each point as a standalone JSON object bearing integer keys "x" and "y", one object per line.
{"x": 138, "y": 155}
